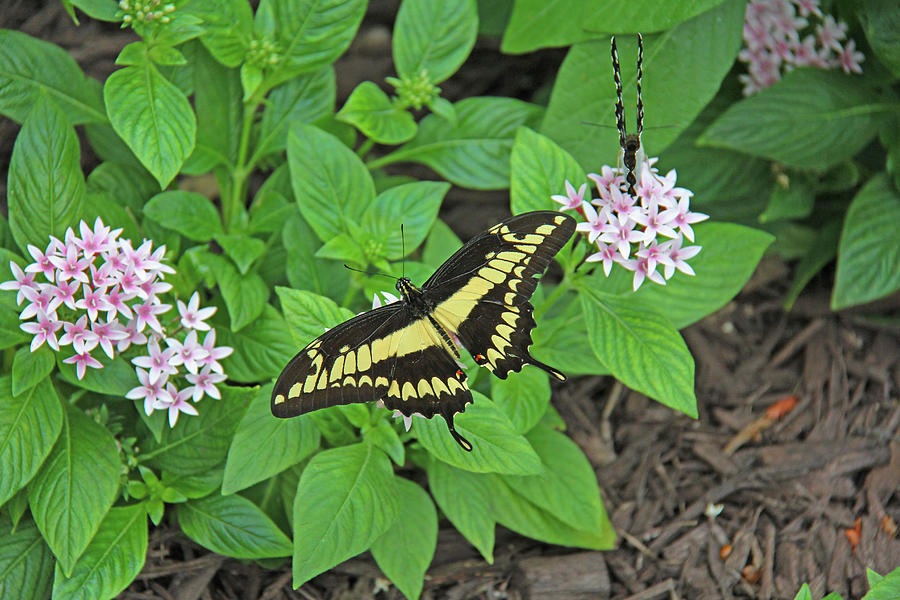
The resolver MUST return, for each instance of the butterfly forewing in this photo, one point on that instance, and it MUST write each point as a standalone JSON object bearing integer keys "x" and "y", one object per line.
{"x": 403, "y": 354}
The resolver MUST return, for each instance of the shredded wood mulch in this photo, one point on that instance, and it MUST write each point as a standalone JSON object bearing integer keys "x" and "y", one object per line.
{"x": 790, "y": 475}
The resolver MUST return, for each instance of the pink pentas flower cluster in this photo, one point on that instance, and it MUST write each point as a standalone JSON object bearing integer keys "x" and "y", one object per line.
{"x": 640, "y": 232}
{"x": 98, "y": 292}
{"x": 780, "y": 35}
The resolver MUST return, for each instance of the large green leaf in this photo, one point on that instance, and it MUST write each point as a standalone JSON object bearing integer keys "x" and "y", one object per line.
{"x": 810, "y": 119}
{"x": 233, "y": 526}
{"x": 641, "y": 15}
{"x": 153, "y": 117}
{"x": 29, "y": 426}
{"x": 217, "y": 100}
{"x": 303, "y": 270}
{"x": 404, "y": 551}
{"x": 540, "y": 169}
{"x": 640, "y": 346}
{"x": 305, "y": 99}
{"x": 309, "y": 315}
{"x": 30, "y": 368}
{"x": 370, "y": 110}
{"x": 466, "y": 501}
{"x": 32, "y": 68}
{"x": 310, "y": 34}
{"x": 537, "y": 24}
{"x": 522, "y": 396}
{"x": 434, "y": 36}
{"x": 260, "y": 350}
{"x": 695, "y": 55}
{"x": 26, "y": 564}
{"x": 414, "y": 205}
{"x": 46, "y": 186}
{"x": 346, "y": 498}
{"x": 112, "y": 560}
{"x": 562, "y": 341}
{"x": 129, "y": 185}
{"x": 497, "y": 447}
{"x": 264, "y": 446}
{"x": 881, "y": 21}
{"x": 567, "y": 488}
{"x": 331, "y": 184}
{"x": 75, "y": 487}
{"x": 189, "y": 213}
{"x": 200, "y": 443}
{"x": 473, "y": 152}
{"x": 244, "y": 295}
{"x": 869, "y": 253}
{"x": 228, "y": 28}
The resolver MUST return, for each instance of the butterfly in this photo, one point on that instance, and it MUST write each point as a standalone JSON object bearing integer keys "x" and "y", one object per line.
{"x": 404, "y": 353}
{"x": 631, "y": 154}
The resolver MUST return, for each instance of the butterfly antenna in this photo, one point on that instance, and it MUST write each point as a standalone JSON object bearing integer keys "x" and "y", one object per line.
{"x": 403, "y": 249}
{"x": 640, "y": 73}
{"x": 620, "y": 105}
{"x": 346, "y": 266}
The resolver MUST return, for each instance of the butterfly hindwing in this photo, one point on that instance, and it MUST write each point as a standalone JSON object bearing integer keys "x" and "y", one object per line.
{"x": 482, "y": 292}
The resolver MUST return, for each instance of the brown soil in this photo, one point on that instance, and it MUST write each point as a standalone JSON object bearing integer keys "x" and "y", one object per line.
{"x": 694, "y": 520}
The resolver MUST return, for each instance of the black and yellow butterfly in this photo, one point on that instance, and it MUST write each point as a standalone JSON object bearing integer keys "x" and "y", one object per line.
{"x": 403, "y": 353}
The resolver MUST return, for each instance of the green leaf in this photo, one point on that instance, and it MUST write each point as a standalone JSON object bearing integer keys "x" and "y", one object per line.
{"x": 112, "y": 560}
{"x": 189, "y": 213}
{"x": 642, "y": 15}
{"x": 334, "y": 426}
{"x": 414, "y": 205}
{"x": 200, "y": 443}
{"x": 311, "y": 34}
{"x": 371, "y": 111}
{"x": 803, "y": 593}
{"x": 567, "y": 488}
{"x": 562, "y": 341}
{"x": 523, "y": 397}
{"x": 244, "y": 295}
{"x": 32, "y": 68}
{"x": 26, "y": 564}
{"x": 29, "y": 426}
{"x": 260, "y": 350}
{"x": 440, "y": 245}
{"x": 537, "y": 24}
{"x": 385, "y": 437}
{"x": 881, "y": 21}
{"x": 116, "y": 377}
{"x": 869, "y": 255}
{"x": 264, "y": 446}
{"x": 242, "y": 249}
{"x": 640, "y": 347}
{"x": 434, "y": 36}
{"x": 233, "y": 526}
{"x": 540, "y": 169}
{"x": 810, "y": 119}
{"x": 304, "y": 99}
{"x": 347, "y": 497}
{"x": 130, "y": 186}
{"x": 324, "y": 277}
{"x": 497, "y": 446}
{"x": 331, "y": 185}
{"x": 153, "y": 117}
{"x": 46, "y": 186}
{"x": 821, "y": 252}
{"x": 795, "y": 201}
{"x": 113, "y": 212}
{"x": 464, "y": 499}
{"x": 729, "y": 257}
{"x": 404, "y": 551}
{"x": 228, "y": 28}
{"x": 220, "y": 112}
{"x": 30, "y": 368}
{"x": 694, "y": 55}
{"x": 344, "y": 248}
{"x": 886, "y": 587}
{"x": 518, "y": 513}
{"x": 308, "y": 315}
{"x": 474, "y": 152}
{"x": 75, "y": 487}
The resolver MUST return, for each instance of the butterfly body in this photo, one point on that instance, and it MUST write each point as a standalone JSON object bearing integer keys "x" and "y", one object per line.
{"x": 405, "y": 354}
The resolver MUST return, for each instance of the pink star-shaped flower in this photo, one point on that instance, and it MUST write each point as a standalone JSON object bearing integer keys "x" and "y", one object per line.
{"x": 850, "y": 58}
{"x": 187, "y": 353}
{"x": 642, "y": 270}
{"x": 677, "y": 257}
{"x": 92, "y": 301}
{"x": 154, "y": 393}
{"x": 98, "y": 240}
{"x": 43, "y": 330}
{"x": 192, "y": 316}
{"x": 146, "y": 315}
{"x": 205, "y": 383}
{"x": 681, "y": 217}
{"x": 654, "y": 223}
{"x": 596, "y": 221}
{"x": 20, "y": 282}
{"x": 78, "y": 334}
{"x": 573, "y": 199}
{"x": 108, "y": 333}
{"x": 82, "y": 361}
{"x": 179, "y": 403}
{"x": 70, "y": 266}
{"x": 214, "y": 353}
{"x": 40, "y": 298}
{"x": 159, "y": 361}
{"x": 132, "y": 336}
{"x": 620, "y": 233}
{"x": 41, "y": 263}
{"x": 607, "y": 256}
